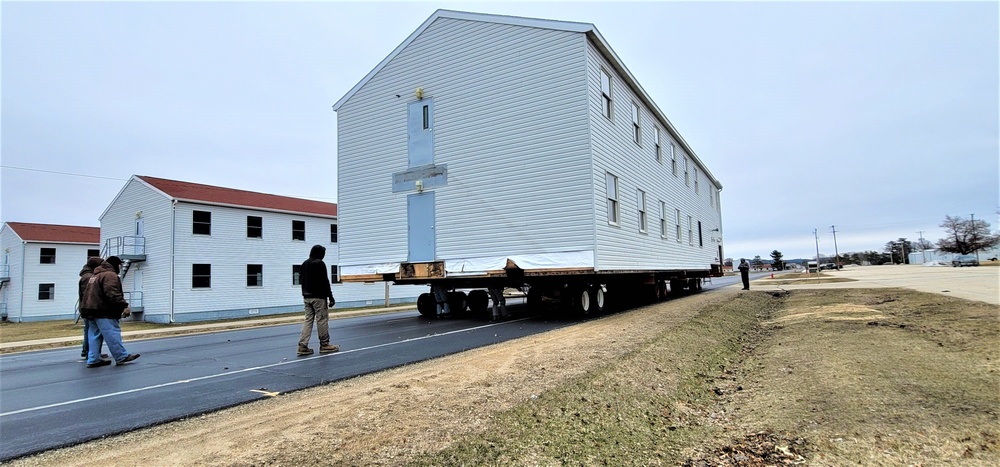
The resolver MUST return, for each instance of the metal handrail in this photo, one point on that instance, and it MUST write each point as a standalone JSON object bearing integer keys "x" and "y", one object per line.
{"x": 124, "y": 245}
{"x": 134, "y": 298}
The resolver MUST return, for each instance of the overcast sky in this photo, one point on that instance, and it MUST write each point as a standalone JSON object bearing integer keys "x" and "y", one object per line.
{"x": 876, "y": 118}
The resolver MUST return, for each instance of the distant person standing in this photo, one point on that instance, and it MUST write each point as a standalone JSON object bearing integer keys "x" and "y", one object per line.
{"x": 318, "y": 298}
{"x": 745, "y": 273}
{"x": 85, "y": 274}
{"x": 103, "y": 304}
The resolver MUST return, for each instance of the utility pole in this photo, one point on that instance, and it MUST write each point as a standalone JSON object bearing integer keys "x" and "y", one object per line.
{"x": 816, "y": 235}
{"x": 974, "y": 238}
{"x": 923, "y": 255}
{"x": 836, "y": 254}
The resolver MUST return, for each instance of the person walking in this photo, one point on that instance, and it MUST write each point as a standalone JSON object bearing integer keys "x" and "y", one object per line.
{"x": 318, "y": 298}
{"x": 85, "y": 274}
{"x": 103, "y": 304}
{"x": 745, "y": 273}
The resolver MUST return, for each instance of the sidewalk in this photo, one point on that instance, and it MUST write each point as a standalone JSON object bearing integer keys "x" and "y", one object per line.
{"x": 195, "y": 328}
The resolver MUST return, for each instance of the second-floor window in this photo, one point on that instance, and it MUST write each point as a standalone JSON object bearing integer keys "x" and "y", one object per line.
{"x": 673, "y": 158}
{"x": 93, "y": 253}
{"x": 298, "y": 230}
{"x": 656, "y": 145}
{"x": 635, "y": 124}
{"x": 255, "y": 227}
{"x": 333, "y": 233}
{"x": 663, "y": 219}
{"x": 47, "y": 256}
{"x": 606, "y": 94}
{"x": 202, "y": 223}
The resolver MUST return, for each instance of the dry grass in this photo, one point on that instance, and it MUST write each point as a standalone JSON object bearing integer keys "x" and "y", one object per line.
{"x": 822, "y": 377}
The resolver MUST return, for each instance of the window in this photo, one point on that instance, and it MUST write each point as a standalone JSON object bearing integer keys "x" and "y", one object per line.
{"x": 690, "y": 232}
{"x": 677, "y": 223}
{"x": 612, "y": 198}
{"x": 296, "y": 271}
{"x": 93, "y": 253}
{"x": 641, "y": 202}
{"x": 255, "y": 275}
{"x": 663, "y": 219}
{"x": 426, "y": 116}
{"x": 606, "y": 94}
{"x": 635, "y": 124}
{"x": 46, "y": 291}
{"x": 334, "y": 277}
{"x": 299, "y": 230}
{"x": 255, "y": 227}
{"x": 202, "y": 224}
{"x": 201, "y": 276}
{"x": 701, "y": 241}
{"x": 656, "y": 145}
{"x": 673, "y": 158}
{"x": 333, "y": 233}
{"x": 47, "y": 256}
{"x": 696, "y": 190}
{"x": 687, "y": 177}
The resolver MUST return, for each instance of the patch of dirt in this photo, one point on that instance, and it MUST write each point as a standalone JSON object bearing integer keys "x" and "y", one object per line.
{"x": 389, "y": 417}
{"x": 757, "y": 449}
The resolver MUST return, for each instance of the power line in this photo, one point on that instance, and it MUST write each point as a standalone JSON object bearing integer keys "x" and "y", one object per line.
{"x": 62, "y": 173}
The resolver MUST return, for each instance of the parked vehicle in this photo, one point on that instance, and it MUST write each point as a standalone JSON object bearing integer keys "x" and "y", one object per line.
{"x": 965, "y": 260}
{"x": 828, "y": 266}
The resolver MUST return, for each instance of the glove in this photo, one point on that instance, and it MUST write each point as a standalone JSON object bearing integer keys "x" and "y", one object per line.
{"x": 332, "y": 302}
{"x": 127, "y": 312}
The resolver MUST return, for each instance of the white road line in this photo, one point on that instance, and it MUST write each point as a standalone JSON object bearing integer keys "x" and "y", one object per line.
{"x": 229, "y": 373}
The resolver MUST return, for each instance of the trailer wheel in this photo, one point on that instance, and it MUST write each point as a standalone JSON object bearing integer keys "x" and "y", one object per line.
{"x": 457, "y": 303}
{"x": 596, "y": 293}
{"x": 535, "y": 299}
{"x": 478, "y": 303}
{"x": 426, "y": 305}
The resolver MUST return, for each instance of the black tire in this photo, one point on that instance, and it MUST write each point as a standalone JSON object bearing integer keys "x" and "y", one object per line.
{"x": 597, "y": 299}
{"x": 457, "y": 303}
{"x": 479, "y": 302}
{"x": 426, "y": 305}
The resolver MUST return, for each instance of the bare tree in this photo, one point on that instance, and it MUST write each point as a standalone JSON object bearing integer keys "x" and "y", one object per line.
{"x": 966, "y": 235}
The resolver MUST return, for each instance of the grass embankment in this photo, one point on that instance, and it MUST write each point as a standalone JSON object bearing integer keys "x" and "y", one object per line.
{"x": 839, "y": 377}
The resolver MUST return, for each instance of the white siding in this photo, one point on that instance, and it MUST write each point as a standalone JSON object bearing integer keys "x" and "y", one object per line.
{"x": 622, "y": 246}
{"x": 138, "y": 199}
{"x": 229, "y": 251}
{"x": 13, "y": 248}
{"x": 27, "y": 273}
{"x": 511, "y": 124}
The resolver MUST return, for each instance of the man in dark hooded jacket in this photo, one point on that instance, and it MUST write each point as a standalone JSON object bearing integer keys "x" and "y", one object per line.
{"x": 317, "y": 295}
{"x": 103, "y": 304}
{"x": 85, "y": 275}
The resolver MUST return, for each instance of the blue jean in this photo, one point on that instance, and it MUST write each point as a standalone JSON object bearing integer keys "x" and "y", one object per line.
{"x": 105, "y": 330}
{"x": 86, "y": 337}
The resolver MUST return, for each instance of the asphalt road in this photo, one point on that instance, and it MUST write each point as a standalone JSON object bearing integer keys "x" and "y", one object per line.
{"x": 49, "y": 399}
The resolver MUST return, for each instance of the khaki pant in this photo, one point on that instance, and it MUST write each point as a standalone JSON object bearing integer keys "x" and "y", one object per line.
{"x": 316, "y": 310}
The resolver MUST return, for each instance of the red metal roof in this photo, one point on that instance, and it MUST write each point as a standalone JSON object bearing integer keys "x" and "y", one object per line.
{"x": 213, "y": 194}
{"x": 50, "y": 233}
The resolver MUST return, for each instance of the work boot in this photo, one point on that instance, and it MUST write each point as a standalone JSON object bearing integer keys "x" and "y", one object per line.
{"x": 327, "y": 348}
{"x": 303, "y": 350}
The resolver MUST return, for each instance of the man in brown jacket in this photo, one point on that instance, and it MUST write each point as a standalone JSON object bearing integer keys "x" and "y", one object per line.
{"x": 102, "y": 305}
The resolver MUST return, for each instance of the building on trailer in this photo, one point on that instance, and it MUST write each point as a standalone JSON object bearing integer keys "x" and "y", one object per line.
{"x": 197, "y": 252}
{"x": 40, "y": 269}
{"x": 488, "y": 145}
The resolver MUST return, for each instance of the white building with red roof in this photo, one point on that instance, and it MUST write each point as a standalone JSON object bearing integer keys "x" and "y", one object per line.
{"x": 40, "y": 267}
{"x": 197, "y": 252}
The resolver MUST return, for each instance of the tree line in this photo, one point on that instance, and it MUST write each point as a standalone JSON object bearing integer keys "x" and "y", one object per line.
{"x": 963, "y": 236}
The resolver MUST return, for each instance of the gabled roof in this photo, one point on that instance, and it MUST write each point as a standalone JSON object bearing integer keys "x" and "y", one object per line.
{"x": 52, "y": 233}
{"x": 198, "y": 193}
{"x": 585, "y": 28}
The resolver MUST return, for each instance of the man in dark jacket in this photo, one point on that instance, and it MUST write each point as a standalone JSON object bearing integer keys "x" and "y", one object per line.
{"x": 317, "y": 295}
{"x": 103, "y": 304}
{"x": 85, "y": 275}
